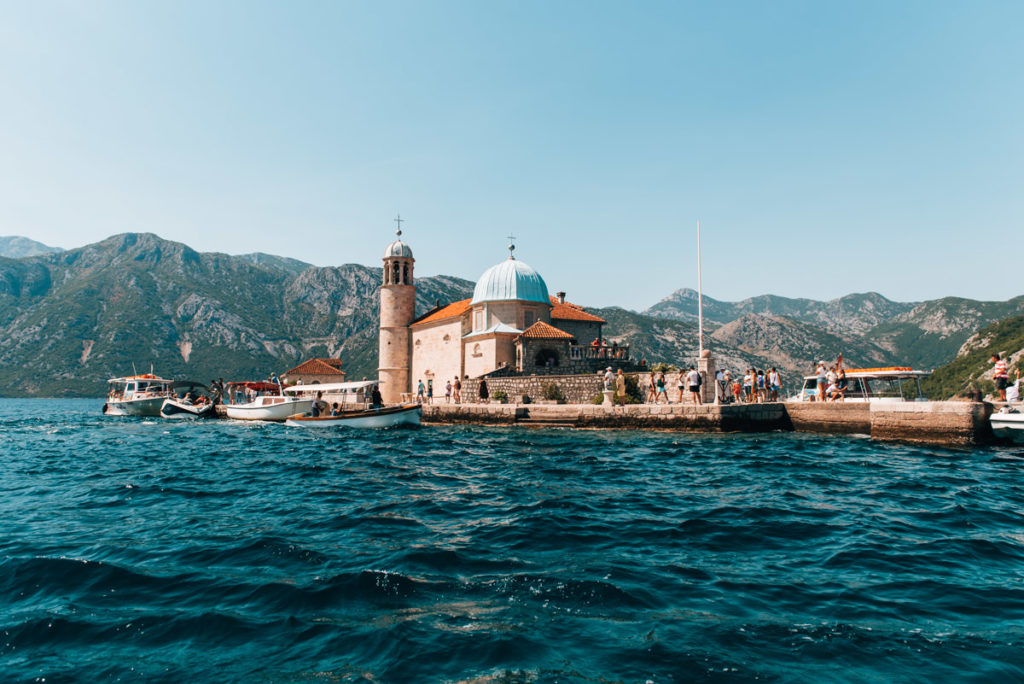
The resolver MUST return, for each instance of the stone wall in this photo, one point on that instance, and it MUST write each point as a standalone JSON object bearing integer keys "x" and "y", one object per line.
{"x": 942, "y": 422}
{"x": 830, "y": 417}
{"x": 577, "y": 389}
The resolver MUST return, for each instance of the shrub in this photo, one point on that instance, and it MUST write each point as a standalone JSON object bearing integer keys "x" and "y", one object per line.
{"x": 500, "y": 395}
{"x": 663, "y": 368}
{"x": 551, "y": 392}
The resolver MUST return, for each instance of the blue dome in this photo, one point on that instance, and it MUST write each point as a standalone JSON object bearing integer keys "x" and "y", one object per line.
{"x": 510, "y": 280}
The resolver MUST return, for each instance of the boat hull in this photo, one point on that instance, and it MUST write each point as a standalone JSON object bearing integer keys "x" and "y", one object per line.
{"x": 408, "y": 414}
{"x": 178, "y": 409}
{"x": 1009, "y": 426}
{"x": 149, "y": 407}
{"x": 258, "y": 410}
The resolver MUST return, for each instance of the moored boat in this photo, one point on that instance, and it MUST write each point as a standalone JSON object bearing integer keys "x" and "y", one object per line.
{"x": 1008, "y": 423}
{"x": 261, "y": 401}
{"x": 137, "y": 395}
{"x": 387, "y": 416}
{"x": 891, "y": 384}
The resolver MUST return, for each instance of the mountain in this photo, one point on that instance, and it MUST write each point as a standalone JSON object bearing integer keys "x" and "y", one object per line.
{"x": 852, "y": 314}
{"x": 16, "y": 247}
{"x": 972, "y": 366}
{"x": 70, "y": 320}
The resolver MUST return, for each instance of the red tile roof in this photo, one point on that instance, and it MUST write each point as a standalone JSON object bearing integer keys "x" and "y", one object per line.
{"x": 451, "y": 311}
{"x": 542, "y": 331}
{"x": 318, "y": 367}
{"x": 572, "y": 312}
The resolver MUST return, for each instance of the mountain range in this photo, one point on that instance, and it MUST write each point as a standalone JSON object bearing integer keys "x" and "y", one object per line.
{"x": 69, "y": 320}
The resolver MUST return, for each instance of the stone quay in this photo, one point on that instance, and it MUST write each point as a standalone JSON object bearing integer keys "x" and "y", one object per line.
{"x": 941, "y": 422}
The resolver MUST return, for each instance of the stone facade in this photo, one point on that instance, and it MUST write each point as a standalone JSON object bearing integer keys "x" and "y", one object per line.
{"x": 435, "y": 354}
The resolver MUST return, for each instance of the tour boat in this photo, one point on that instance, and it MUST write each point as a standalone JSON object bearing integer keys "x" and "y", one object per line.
{"x": 389, "y": 416}
{"x": 268, "y": 404}
{"x": 892, "y": 384}
{"x": 136, "y": 395}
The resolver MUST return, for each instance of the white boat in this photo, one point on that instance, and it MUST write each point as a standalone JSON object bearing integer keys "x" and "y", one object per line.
{"x": 892, "y": 384}
{"x": 1008, "y": 423}
{"x": 183, "y": 408}
{"x": 268, "y": 404}
{"x": 388, "y": 416}
{"x": 137, "y": 395}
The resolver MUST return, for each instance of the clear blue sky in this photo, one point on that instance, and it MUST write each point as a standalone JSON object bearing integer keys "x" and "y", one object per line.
{"x": 827, "y": 148}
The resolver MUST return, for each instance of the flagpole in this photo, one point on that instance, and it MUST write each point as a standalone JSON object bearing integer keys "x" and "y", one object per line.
{"x": 700, "y": 299}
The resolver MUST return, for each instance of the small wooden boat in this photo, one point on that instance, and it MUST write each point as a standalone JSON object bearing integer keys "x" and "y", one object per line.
{"x": 387, "y": 416}
{"x": 273, "y": 405}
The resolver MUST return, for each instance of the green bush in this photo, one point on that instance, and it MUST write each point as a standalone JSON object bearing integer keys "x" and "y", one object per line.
{"x": 551, "y": 392}
{"x": 500, "y": 396}
{"x": 664, "y": 368}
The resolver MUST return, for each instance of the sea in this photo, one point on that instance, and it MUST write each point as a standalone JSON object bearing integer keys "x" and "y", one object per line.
{"x": 151, "y": 550}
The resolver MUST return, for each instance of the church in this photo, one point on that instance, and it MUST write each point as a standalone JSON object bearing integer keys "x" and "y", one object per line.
{"x": 511, "y": 326}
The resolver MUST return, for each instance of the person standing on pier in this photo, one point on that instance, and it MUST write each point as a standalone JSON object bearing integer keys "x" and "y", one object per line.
{"x": 620, "y": 388}
{"x": 693, "y": 380}
{"x": 1000, "y": 375}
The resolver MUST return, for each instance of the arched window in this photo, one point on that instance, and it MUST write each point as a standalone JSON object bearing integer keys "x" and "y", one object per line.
{"x": 546, "y": 358}
{"x": 394, "y": 273}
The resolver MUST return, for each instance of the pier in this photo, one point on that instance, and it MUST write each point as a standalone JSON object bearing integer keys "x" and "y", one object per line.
{"x": 940, "y": 422}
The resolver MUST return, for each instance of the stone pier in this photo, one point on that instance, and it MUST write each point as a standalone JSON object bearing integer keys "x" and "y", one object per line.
{"x": 941, "y": 422}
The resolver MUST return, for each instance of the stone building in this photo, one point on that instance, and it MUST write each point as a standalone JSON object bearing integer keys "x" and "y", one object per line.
{"x": 510, "y": 326}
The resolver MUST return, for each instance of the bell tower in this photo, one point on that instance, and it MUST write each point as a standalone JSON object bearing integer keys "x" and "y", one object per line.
{"x": 397, "y": 311}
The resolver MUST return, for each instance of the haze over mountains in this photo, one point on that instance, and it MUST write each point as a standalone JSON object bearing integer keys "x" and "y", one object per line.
{"x": 69, "y": 320}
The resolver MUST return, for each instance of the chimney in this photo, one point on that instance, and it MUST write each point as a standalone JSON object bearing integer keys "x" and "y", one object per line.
{"x": 561, "y": 297}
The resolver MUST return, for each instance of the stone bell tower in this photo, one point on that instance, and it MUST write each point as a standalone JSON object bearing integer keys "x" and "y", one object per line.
{"x": 397, "y": 311}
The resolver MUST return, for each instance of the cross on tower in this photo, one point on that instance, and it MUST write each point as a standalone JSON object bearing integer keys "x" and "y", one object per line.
{"x": 511, "y": 246}
{"x": 398, "y": 219}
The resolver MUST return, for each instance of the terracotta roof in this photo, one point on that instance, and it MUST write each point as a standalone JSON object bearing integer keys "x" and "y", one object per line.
{"x": 542, "y": 331}
{"x": 439, "y": 314}
{"x": 572, "y": 312}
{"x": 318, "y": 367}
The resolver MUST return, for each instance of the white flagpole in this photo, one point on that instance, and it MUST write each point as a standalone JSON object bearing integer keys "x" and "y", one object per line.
{"x": 700, "y": 298}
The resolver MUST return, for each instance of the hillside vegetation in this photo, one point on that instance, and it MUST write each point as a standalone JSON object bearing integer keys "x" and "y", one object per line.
{"x": 972, "y": 365}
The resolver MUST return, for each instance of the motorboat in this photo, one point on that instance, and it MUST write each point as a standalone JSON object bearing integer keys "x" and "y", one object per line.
{"x": 890, "y": 384}
{"x": 189, "y": 405}
{"x": 137, "y": 395}
{"x": 385, "y": 416}
{"x": 262, "y": 401}
{"x": 1008, "y": 423}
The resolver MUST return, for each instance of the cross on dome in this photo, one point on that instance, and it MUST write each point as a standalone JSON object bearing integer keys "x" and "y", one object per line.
{"x": 511, "y": 246}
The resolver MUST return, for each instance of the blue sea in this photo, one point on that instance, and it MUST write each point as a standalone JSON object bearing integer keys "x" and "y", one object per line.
{"x": 150, "y": 550}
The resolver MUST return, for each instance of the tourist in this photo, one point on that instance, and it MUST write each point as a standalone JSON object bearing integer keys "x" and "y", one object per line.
{"x": 376, "y": 400}
{"x": 720, "y": 386}
{"x": 430, "y": 391}
{"x": 1000, "y": 375}
{"x": 652, "y": 396}
{"x": 620, "y": 388}
{"x": 774, "y": 383}
{"x": 448, "y": 392}
{"x": 762, "y": 394}
{"x": 748, "y": 386}
{"x": 727, "y": 387}
{"x": 840, "y": 391}
{"x": 693, "y": 379}
{"x": 822, "y": 379}
{"x": 420, "y": 392}
{"x": 457, "y": 390}
{"x": 680, "y": 383}
{"x": 737, "y": 391}
{"x": 485, "y": 396}
{"x": 609, "y": 379}
{"x": 335, "y": 410}
{"x": 662, "y": 390}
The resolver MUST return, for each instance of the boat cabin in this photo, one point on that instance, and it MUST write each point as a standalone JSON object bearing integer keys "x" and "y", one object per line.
{"x": 873, "y": 384}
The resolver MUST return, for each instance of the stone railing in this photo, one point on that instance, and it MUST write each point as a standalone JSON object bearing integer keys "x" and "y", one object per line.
{"x": 579, "y": 352}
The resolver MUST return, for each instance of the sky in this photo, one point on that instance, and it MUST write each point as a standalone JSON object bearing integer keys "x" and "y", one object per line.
{"x": 825, "y": 148}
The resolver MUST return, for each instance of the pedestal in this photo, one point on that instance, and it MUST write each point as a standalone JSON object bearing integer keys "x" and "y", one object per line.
{"x": 706, "y": 368}
{"x": 608, "y": 394}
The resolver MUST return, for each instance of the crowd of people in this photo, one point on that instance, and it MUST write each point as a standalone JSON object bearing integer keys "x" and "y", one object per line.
{"x": 754, "y": 386}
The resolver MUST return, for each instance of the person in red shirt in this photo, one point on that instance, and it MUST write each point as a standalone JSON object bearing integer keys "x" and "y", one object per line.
{"x": 1000, "y": 375}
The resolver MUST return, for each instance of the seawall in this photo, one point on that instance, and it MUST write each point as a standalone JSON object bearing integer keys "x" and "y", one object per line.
{"x": 943, "y": 422}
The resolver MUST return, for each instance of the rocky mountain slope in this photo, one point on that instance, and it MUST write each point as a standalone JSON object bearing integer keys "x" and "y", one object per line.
{"x": 16, "y": 247}
{"x": 972, "y": 367}
{"x": 69, "y": 321}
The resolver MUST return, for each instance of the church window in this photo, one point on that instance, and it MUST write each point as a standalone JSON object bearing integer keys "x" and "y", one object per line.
{"x": 476, "y": 350}
{"x": 447, "y": 338}
{"x": 405, "y": 275}
{"x": 529, "y": 317}
{"x": 418, "y": 342}
{"x": 478, "y": 320}
{"x": 394, "y": 273}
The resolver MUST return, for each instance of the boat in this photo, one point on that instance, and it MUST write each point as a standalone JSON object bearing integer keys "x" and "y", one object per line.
{"x": 890, "y": 384}
{"x": 137, "y": 395}
{"x": 269, "y": 402}
{"x": 385, "y": 416}
{"x": 190, "y": 405}
{"x": 1008, "y": 423}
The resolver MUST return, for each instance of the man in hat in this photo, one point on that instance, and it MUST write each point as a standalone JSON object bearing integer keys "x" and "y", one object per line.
{"x": 609, "y": 378}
